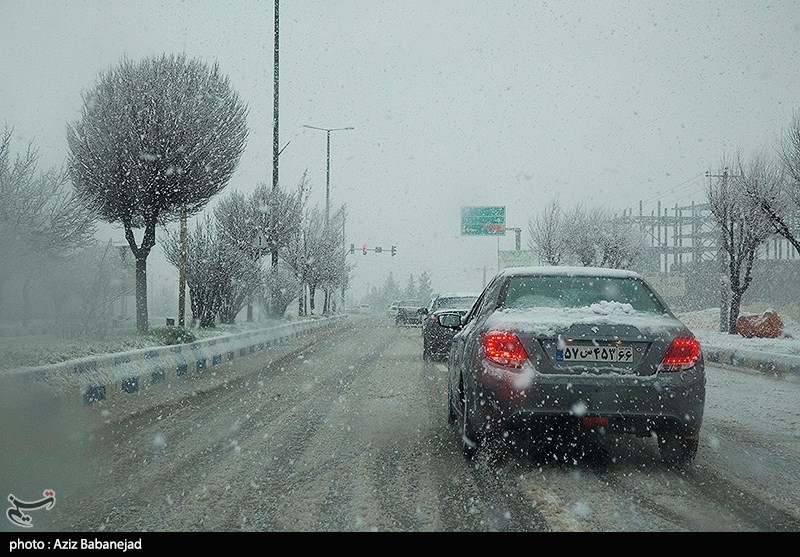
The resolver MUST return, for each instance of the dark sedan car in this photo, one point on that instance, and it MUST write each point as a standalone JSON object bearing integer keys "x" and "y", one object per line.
{"x": 547, "y": 350}
{"x": 435, "y": 338}
{"x": 409, "y": 312}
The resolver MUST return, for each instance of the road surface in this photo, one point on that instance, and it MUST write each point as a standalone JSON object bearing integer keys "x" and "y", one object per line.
{"x": 346, "y": 430}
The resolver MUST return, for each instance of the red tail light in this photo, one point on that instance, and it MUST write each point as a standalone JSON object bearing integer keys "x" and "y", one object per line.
{"x": 682, "y": 354}
{"x": 595, "y": 421}
{"x": 504, "y": 348}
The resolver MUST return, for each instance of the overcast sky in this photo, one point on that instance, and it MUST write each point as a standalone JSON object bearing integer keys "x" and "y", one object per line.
{"x": 454, "y": 102}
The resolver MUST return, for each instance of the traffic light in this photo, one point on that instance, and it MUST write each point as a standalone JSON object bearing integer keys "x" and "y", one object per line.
{"x": 394, "y": 251}
{"x": 365, "y": 249}
{"x": 352, "y": 248}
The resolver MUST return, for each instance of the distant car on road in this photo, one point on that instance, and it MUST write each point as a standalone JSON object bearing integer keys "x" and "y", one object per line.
{"x": 435, "y": 338}
{"x": 410, "y": 312}
{"x": 547, "y": 351}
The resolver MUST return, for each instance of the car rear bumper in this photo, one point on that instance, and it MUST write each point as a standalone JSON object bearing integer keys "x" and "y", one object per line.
{"x": 631, "y": 404}
{"x": 408, "y": 319}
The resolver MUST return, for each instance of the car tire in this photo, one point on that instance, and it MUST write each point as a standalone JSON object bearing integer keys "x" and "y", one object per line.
{"x": 676, "y": 448}
{"x": 451, "y": 413}
{"x": 469, "y": 439}
{"x": 426, "y": 351}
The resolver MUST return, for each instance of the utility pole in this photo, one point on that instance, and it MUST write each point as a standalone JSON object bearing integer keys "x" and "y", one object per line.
{"x": 275, "y": 153}
{"x": 344, "y": 258}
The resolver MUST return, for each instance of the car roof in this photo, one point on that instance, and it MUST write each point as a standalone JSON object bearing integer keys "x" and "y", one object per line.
{"x": 572, "y": 271}
{"x": 458, "y": 295}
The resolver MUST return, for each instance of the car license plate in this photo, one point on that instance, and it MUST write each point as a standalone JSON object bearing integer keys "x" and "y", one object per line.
{"x": 617, "y": 353}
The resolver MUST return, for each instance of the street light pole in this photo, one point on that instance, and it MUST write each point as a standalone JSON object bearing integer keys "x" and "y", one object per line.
{"x": 328, "y": 176}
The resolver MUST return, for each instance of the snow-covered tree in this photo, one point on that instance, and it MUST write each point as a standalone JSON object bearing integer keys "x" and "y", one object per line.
{"x": 585, "y": 236}
{"x": 279, "y": 289}
{"x": 424, "y": 287}
{"x": 301, "y": 252}
{"x": 547, "y": 231}
{"x": 390, "y": 290}
{"x": 743, "y": 225}
{"x": 270, "y": 215}
{"x": 334, "y": 270}
{"x": 582, "y": 230}
{"x": 157, "y": 138}
{"x": 410, "y": 291}
{"x": 779, "y": 198}
{"x": 220, "y": 277}
{"x": 315, "y": 250}
{"x": 621, "y": 242}
{"x": 41, "y": 220}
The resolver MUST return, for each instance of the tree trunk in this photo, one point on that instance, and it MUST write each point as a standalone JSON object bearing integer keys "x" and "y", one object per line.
{"x": 26, "y": 300}
{"x": 301, "y": 299}
{"x": 312, "y": 291}
{"x": 274, "y": 286}
{"x": 140, "y": 253}
{"x": 207, "y": 320}
{"x": 142, "y": 321}
{"x": 733, "y": 316}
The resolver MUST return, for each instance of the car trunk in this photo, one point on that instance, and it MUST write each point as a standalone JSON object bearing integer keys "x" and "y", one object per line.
{"x": 597, "y": 350}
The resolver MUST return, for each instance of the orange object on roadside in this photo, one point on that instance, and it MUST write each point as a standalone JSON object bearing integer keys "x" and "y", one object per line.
{"x": 763, "y": 325}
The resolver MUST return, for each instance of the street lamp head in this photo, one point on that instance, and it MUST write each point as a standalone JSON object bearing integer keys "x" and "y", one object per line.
{"x": 327, "y": 129}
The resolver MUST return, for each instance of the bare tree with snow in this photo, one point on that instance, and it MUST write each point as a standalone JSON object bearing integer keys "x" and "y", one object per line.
{"x": 586, "y": 236}
{"x": 274, "y": 216}
{"x": 621, "y": 242}
{"x": 582, "y": 230}
{"x": 220, "y": 277}
{"x": 41, "y": 219}
{"x": 743, "y": 225}
{"x": 779, "y": 198}
{"x": 157, "y": 138}
{"x": 548, "y": 235}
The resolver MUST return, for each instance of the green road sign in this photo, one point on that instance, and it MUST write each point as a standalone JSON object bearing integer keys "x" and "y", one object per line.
{"x": 483, "y": 221}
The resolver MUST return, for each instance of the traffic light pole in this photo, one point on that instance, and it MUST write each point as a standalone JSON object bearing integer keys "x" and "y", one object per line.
{"x": 376, "y": 249}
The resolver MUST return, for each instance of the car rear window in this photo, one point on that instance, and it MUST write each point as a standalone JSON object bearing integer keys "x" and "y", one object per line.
{"x": 460, "y": 302}
{"x": 578, "y": 291}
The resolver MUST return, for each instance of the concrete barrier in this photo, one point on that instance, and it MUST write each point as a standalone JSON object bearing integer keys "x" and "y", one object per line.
{"x": 783, "y": 366}
{"x": 98, "y": 378}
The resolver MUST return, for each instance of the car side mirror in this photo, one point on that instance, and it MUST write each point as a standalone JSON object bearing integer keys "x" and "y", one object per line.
{"x": 450, "y": 320}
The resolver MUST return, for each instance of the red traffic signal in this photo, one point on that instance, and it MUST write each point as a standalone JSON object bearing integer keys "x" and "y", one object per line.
{"x": 365, "y": 249}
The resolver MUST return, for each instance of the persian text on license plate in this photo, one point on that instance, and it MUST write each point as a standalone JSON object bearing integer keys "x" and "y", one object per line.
{"x": 595, "y": 354}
